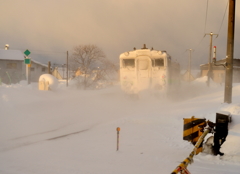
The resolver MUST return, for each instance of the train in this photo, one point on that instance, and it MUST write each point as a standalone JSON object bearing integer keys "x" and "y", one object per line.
{"x": 148, "y": 69}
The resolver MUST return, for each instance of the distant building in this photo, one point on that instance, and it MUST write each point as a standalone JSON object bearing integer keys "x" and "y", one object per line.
{"x": 37, "y": 69}
{"x": 61, "y": 72}
{"x": 13, "y": 68}
{"x": 57, "y": 74}
{"x": 219, "y": 71}
{"x": 78, "y": 72}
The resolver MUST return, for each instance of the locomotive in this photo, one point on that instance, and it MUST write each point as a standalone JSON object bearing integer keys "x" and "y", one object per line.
{"x": 142, "y": 69}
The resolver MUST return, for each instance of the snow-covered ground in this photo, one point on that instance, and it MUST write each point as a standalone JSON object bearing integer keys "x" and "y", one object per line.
{"x": 69, "y": 131}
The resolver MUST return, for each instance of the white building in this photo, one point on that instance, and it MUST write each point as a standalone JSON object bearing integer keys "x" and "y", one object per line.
{"x": 11, "y": 66}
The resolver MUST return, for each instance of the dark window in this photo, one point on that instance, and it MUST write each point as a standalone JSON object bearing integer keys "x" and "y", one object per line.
{"x": 12, "y": 66}
{"x": 43, "y": 69}
{"x": 159, "y": 62}
{"x": 128, "y": 62}
{"x": 32, "y": 68}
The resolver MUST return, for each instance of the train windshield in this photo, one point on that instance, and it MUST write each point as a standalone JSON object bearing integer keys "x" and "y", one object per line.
{"x": 157, "y": 62}
{"x": 128, "y": 63}
{"x": 143, "y": 64}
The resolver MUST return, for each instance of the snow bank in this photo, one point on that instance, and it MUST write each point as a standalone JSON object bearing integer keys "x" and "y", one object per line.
{"x": 55, "y": 132}
{"x": 53, "y": 82}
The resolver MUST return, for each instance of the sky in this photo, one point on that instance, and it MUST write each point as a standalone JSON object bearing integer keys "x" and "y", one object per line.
{"x": 51, "y": 28}
{"x": 74, "y": 131}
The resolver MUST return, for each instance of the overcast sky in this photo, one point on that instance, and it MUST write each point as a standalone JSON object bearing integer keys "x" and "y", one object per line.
{"x": 49, "y": 28}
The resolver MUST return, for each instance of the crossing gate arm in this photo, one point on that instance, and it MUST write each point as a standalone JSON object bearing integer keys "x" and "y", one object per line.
{"x": 183, "y": 165}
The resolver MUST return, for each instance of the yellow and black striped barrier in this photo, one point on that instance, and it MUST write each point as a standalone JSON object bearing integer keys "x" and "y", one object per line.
{"x": 193, "y": 129}
{"x": 182, "y": 167}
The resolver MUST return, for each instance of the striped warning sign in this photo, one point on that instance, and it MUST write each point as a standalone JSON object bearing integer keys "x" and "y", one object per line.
{"x": 193, "y": 129}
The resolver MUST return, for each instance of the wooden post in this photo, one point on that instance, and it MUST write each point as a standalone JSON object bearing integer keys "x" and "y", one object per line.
{"x": 118, "y": 130}
{"x": 49, "y": 68}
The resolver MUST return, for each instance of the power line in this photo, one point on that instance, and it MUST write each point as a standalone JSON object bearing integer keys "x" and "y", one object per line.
{"x": 184, "y": 52}
{"x": 200, "y": 41}
{"x": 204, "y": 25}
{"x": 206, "y": 18}
{"x": 223, "y": 17}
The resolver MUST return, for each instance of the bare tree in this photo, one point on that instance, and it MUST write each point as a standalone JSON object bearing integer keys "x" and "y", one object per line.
{"x": 92, "y": 63}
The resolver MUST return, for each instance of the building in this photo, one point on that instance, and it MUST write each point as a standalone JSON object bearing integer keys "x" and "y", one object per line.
{"x": 78, "y": 72}
{"x": 57, "y": 74}
{"x": 219, "y": 71}
{"x": 37, "y": 69}
{"x": 13, "y": 68}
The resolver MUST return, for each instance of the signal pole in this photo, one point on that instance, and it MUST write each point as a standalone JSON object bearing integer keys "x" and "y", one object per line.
{"x": 230, "y": 52}
{"x": 210, "y": 58}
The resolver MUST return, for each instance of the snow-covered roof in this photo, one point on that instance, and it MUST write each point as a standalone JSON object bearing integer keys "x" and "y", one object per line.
{"x": 11, "y": 55}
{"x": 39, "y": 63}
{"x": 143, "y": 52}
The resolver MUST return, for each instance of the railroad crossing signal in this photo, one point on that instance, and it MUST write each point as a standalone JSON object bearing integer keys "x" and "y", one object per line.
{"x": 27, "y": 60}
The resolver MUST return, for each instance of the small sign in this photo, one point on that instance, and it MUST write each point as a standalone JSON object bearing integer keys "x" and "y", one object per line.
{"x": 27, "y": 61}
{"x": 27, "y": 52}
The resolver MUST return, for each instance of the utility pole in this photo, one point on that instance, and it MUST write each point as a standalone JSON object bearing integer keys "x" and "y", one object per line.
{"x": 230, "y": 51}
{"x": 49, "y": 68}
{"x": 67, "y": 69}
{"x": 210, "y": 58}
{"x": 189, "y": 64}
